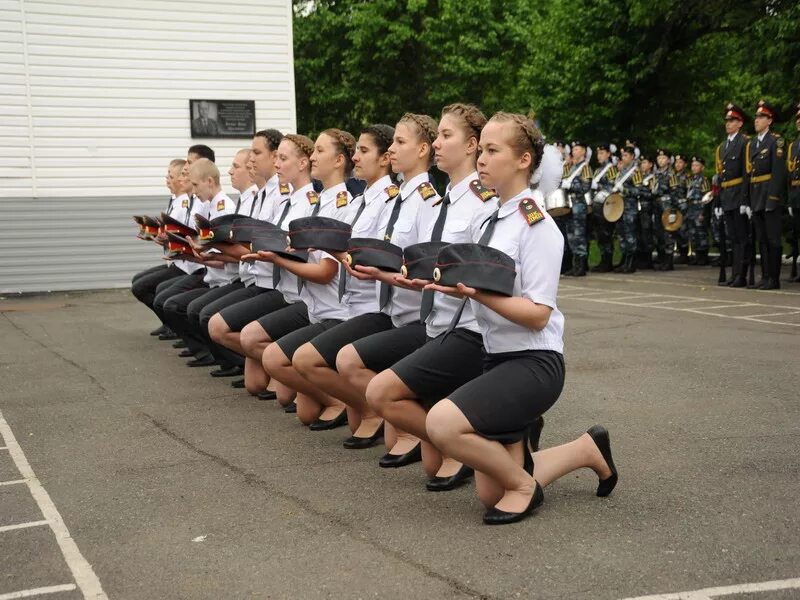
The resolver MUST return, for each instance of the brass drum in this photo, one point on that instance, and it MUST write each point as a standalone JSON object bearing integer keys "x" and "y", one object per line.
{"x": 672, "y": 219}
{"x": 613, "y": 207}
{"x": 558, "y": 203}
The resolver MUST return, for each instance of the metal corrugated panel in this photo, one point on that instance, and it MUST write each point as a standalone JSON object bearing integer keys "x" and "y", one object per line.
{"x": 73, "y": 243}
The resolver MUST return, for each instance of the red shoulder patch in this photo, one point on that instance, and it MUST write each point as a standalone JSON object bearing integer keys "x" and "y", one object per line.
{"x": 530, "y": 210}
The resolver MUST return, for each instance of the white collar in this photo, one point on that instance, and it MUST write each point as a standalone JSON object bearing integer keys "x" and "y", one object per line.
{"x": 327, "y": 196}
{"x": 301, "y": 194}
{"x": 409, "y": 186}
{"x": 182, "y": 196}
{"x": 458, "y": 190}
{"x": 219, "y": 196}
{"x": 732, "y": 136}
{"x": 251, "y": 191}
{"x": 376, "y": 189}
{"x": 762, "y": 135}
{"x": 509, "y": 207}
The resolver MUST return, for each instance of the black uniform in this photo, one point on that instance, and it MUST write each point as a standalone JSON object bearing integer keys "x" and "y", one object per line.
{"x": 730, "y": 163}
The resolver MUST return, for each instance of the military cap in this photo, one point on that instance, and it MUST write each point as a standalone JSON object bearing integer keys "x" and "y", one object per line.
{"x": 765, "y": 109}
{"x": 699, "y": 159}
{"x": 476, "y": 265}
{"x": 419, "y": 259}
{"x": 245, "y": 228}
{"x": 681, "y": 156}
{"x": 734, "y": 112}
{"x": 607, "y": 146}
{"x": 175, "y": 226}
{"x": 139, "y": 220}
{"x": 177, "y": 244}
{"x": 372, "y": 252}
{"x": 216, "y": 230}
{"x": 648, "y": 156}
{"x": 319, "y": 232}
{"x": 629, "y": 150}
{"x": 663, "y": 152}
{"x": 149, "y": 227}
{"x": 275, "y": 240}
{"x": 574, "y": 143}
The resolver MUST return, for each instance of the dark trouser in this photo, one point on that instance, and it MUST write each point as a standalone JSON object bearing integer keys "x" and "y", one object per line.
{"x": 154, "y": 269}
{"x": 737, "y": 228}
{"x": 177, "y": 286}
{"x": 145, "y": 283}
{"x": 566, "y": 259}
{"x": 225, "y": 357}
{"x": 175, "y": 318}
{"x": 767, "y": 225}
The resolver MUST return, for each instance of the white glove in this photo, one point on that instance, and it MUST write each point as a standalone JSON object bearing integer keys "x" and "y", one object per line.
{"x": 565, "y": 184}
{"x": 791, "y": 214}
{"x": 749, "y": 212}
{"x": 743, "y": 210}
{"x": 718, "y": 212}
{"x": 594, "y": 185}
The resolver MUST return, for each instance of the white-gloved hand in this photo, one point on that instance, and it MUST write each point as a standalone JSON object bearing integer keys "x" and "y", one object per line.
{"x": 749, "y": 212}
{"x": 565, "y": 185}
{"x": 594, "y": 185}
{"x": 718, "y": 212}
{"x": 791, "y": 213}
{"x": 742, "y": 210}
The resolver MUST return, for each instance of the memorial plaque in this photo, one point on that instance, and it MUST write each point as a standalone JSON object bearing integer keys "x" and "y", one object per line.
{"x": 223, "y": 118}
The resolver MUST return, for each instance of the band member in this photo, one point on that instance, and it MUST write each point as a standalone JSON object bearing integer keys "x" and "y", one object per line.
{"x": 679, "y": 190}
{"x": 665, "y": 182}
{"x": 627, "y": 182}
{"x": 793, "y": 168}
{"x": 577, "y": 180}
{"x": 766, "y": 177}
{"x": 485, "y": 422}
{"x": 731, "y": 172}
{"x": 603, "y": 179}
{"x": 696, "y": 213}
{"x": 645, "y": 195}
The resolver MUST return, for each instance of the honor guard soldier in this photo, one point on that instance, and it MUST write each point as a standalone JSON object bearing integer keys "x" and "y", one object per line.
{"x": 603, "y": 179}
{"x": 730, "y": 169}
{"x": 665, "y": 181}
{"x": 679, "y": 191}
{"x": 576, "y": 182}
{"x": 766, "y": 177}
{"x": 793, "y": 167}
{"x": 697, "y": 228}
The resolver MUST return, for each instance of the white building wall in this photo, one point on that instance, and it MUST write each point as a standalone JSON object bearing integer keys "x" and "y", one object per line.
{"x": 94, "y": 102}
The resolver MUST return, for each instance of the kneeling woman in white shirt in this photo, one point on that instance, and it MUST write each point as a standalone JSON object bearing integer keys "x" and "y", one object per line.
{"x": 485, "y": 422}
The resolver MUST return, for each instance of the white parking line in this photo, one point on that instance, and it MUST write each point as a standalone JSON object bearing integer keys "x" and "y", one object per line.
{"x": 711, "y": 593}
{"x": 81, "y": 570}
{"x": 23, "y": 525}
{"x": 52, "y": 589}
{"x": 12, "y": 482}
{"x": 775, "y": 314}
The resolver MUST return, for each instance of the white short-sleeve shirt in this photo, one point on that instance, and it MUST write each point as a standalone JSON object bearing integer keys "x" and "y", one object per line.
{"x": 537, "y": 251}
{"x": 184, "y": 210}
{"x": 466, "y": 212}
{"x": 299, "y": 206}
{"x": 269, "y": 209}
{"x": 409, "y": 229}
{"x": 220, "y": 205}
{"x": 322, "y": 299}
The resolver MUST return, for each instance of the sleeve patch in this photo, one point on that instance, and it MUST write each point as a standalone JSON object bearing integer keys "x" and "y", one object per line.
{"x": 313, "y": 198}
{"x": 481, "y": 192}
{"x": 530, "y": 210}
{"x": 426, "y": 190}
{"x": 220, "y": 204}
{"x": 341, "y": 199}
{"x": 284, "y": 189}
{"x": 392, "y": 191}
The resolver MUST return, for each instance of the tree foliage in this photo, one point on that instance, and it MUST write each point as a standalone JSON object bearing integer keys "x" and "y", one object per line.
{"x": 601, "y": 70}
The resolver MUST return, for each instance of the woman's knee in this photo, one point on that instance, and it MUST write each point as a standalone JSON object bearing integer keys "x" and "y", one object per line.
{"x": 348, "y": 361}
{"x": 307, "y": 359}
{"x": 251, "y": 338}
{"x": 379, "y": 391}
{"x": 274, "y": 359}
{"x": 444, "y": 423}
{"x": 217, "y": 328}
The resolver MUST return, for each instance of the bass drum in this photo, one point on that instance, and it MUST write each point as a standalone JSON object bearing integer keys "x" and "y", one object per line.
{"x": 613, "y": 207}
{"x": 672, "y": 219}
{"x": 558, "y": 203}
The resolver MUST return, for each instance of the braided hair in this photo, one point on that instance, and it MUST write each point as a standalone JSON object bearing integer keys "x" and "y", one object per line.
{"x": 526, "y": 136}
{"x": 382, "y": 135}
{"x": 426, "y": 129}
{"x": 272, "y": 138}
{"x": 472, "y": 119}
{"x": 304, "y": 145}
{"x": 345, "y": 145}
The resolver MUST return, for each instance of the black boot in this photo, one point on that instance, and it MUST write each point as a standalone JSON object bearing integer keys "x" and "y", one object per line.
{"x": 580, "y": 266}
{"x": 630, "y": 264}
{"x": 648, "y": 260}
{"x": 620, "y": 268}
{"x": 668, "y": 264}
{"x": 683, "y": 257}
{"x": 604, "y": 266}
{"x": 701, "y": 258}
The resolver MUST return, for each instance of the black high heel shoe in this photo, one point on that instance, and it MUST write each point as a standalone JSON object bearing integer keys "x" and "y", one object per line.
{"x": 395, "y": 461}
{"x": 495, "y": 516}
{"x": 324, "y": 425}
{"x": 599, "y": 435}
{"x": 359, "y": 443}
{"x": 536, "y": 433}
{"x": 445, "y": 484}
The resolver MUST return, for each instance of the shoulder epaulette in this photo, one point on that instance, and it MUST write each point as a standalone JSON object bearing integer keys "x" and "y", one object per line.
{"x": 637, "y": 177}
{"x": 705, "y": 187}
{"x": 779, "y": 144}
{"x": 221, "y": 204}
{"x": 565, "y": 171}
{"x": 484, "y": 194}
{"x": 530, "y": 210}
{"x": 426, "y": 190}
{"x": 673, "y": 180}
{"x": 392, "y": 191}
{"x": 342, "y": 199}
{"x": 284, "y": 189}
{"x": 612, "y": 173}
{"x": 587, "y": 171}
{"x": 313, "y": 197}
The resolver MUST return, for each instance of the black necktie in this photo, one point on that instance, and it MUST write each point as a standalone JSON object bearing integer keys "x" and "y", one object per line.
{"x": 315, "y": 210}
{"x": 727, "y": 144}
{"x": 342, "y": 270}
{"x": 238, "y": 204}
{"x": 276, "y": 271}
{"x": 385, "y": 288}
{"x": 169, "y": 206}
{"x": 260, "y": 202}
{"x": 436, "y": 236}
{"x": 491, "y": 222}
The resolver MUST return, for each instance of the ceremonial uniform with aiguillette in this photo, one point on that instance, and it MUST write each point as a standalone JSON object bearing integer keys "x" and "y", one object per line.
{"x": 603, "y": 180}
{"x": 577, "y": 181}
{"x": 766, "y": 177}
{"x": 696, "y": 216}
{"x": 645, "y": 194}
{"x": 665, "y": 181}
{"x": 793, "y": 168}
{"x": 733, "y": 191}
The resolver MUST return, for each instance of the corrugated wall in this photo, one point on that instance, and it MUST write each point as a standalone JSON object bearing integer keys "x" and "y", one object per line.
{"x": 94, "y": 102}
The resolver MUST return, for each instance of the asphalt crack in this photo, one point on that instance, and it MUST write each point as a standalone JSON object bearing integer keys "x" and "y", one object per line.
{"x": 253, "y": 480}
{"x": 67, "y": 360}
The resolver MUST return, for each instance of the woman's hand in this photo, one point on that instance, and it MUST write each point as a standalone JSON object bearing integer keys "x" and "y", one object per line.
{"x": 458, "y": 291}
